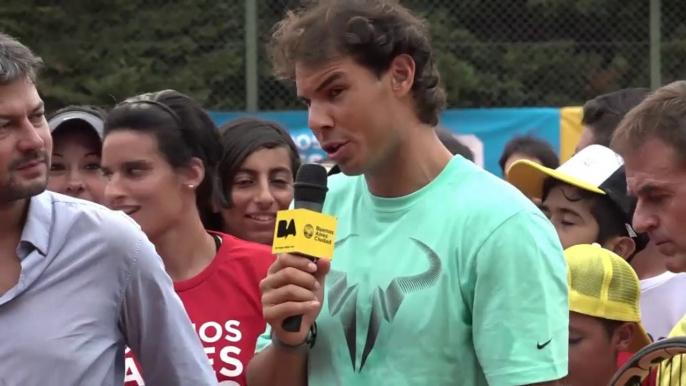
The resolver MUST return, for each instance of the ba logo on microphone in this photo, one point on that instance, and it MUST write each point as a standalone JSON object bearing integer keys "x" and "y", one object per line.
{"x": 286, "y": 228}
{"x": 306, "y": 232}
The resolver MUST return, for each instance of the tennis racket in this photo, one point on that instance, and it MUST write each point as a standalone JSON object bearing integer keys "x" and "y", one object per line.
{"x": 664, "y": 354}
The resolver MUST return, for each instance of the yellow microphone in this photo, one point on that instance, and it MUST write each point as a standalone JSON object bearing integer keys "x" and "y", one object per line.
{"x": 304, "y": 230}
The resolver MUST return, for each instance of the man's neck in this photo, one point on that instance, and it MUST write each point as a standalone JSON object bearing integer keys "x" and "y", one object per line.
{"x": 649, "y": 263}
{"x": 186, "y": 248}
{"x": 417, "y": 161}
{"x": 13, "y": 215}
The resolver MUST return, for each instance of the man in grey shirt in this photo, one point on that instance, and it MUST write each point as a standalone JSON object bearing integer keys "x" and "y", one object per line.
{"x": 78, "y": 282}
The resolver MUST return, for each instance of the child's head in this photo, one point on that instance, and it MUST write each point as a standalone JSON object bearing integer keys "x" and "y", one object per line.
{"x": 604, "y": 316}
{"x": 585, "y": 199}
{"x": 583, "y": 217}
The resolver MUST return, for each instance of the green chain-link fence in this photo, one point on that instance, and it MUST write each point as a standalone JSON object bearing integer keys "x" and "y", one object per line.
{"x": 491, "y": 52}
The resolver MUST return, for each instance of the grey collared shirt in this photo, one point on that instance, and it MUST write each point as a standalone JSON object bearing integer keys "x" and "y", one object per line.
{"x": 90, "y": 284}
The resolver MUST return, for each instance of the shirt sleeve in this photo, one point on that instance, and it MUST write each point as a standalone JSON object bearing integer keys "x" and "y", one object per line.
{"x": 520, "y": 303}
{"x": 156, "y": 326}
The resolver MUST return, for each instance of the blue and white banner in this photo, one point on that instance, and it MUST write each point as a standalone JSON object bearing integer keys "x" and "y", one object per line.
{"x": 488, "y": 130}
{"x": 485, "y": 131}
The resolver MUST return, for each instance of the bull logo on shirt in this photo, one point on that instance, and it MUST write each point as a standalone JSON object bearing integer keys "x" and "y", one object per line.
{"x": 385, "y": 302}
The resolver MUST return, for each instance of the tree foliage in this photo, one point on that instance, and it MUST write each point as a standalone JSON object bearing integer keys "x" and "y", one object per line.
{"x": 490, "y": 52}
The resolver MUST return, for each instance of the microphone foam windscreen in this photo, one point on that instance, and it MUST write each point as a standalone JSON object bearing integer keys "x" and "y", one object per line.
{"x": 310, "y": 183}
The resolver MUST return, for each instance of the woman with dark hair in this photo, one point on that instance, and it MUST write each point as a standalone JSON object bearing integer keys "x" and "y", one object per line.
{"x": 160, "y": 154}
{"x": 77, "y": 142}
{"x": 255, "y": 177}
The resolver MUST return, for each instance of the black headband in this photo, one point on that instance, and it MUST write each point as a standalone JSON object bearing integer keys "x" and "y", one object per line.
{"x": 151, "y": 99}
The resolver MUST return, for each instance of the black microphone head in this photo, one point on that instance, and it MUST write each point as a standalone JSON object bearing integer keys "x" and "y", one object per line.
{"x": 310, "y": 183}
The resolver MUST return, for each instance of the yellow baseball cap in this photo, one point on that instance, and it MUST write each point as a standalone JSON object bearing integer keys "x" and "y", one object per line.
{"x": 603, "y": 285}
{"x": 590, "y": 169}
{"x": 596, "y": 169}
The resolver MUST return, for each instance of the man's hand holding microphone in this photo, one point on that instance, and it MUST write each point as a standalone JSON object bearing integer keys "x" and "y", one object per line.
{"x": 293, "y": 291}
{"x": 294, "y": 286}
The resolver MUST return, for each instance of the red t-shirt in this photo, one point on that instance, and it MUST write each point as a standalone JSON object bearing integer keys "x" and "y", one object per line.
{"x": 224, "y": 304}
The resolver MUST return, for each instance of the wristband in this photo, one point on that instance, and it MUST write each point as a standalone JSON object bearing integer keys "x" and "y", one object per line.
{"x": 307, "y": 344}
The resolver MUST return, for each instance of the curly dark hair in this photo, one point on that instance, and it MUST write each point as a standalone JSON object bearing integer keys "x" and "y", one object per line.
{"x": 371, "y": 32}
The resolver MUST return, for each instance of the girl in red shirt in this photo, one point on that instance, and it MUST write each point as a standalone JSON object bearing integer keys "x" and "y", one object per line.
{"x": 160, "y": 153}
{"x": 255, "y": 178}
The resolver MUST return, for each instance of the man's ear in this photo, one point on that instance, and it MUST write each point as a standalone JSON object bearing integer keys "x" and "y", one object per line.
{"x": 623, "y": 336}
{"x": 621, "y": 245}
{"x": 401, "y": 72}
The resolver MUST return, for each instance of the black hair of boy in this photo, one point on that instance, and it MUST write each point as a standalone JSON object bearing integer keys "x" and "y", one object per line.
{"x": 602, "y": 114}
{"x": 610, "y": 219}
{"x": 532, "y": 147}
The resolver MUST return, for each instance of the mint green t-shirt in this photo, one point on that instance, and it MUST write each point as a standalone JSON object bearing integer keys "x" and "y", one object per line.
{"x": 460, "y": 283}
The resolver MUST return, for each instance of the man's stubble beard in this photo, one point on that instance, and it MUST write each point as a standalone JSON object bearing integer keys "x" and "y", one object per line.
{"x": 11, "y": 192}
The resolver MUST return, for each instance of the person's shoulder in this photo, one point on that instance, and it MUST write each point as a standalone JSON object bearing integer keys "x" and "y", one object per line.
{"x": 678, "y": 279}
{"x": 249, "y": 254}
{"x": 86, "y": 218}
{"x": 474, "y": 194}
{"x": 666, "y": 282}
{"x": 70, "y": 205}
{"x": 240, "y": 247}
{"x": 477, "y": 184}
{"x": 342, "y": 191}
{"x": 341, "y": 184}
{"x": 89, "y": 212}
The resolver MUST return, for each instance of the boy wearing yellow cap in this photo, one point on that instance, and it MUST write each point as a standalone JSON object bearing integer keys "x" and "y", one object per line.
{"x": 604, "y": 317}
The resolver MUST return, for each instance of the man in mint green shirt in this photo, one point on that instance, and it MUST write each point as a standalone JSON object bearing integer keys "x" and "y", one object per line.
{"x": 443, "y": 274}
